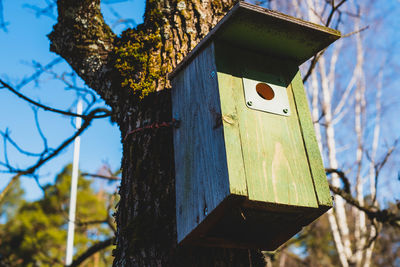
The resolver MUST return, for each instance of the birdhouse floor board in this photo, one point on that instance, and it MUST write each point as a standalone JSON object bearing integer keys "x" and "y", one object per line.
{"x": 236, "y": 223}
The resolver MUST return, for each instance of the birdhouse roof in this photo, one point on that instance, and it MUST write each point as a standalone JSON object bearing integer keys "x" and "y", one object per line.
{"x": 268, "y": 32}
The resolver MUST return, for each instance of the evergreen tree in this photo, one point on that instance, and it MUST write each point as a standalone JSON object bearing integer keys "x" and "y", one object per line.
{"x": 35, "y": 233}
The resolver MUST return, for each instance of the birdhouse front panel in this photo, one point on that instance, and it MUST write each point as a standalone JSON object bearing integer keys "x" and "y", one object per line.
{"x": 275, "y": 160}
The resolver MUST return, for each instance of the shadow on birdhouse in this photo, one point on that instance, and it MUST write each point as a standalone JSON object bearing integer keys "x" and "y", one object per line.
{"x": 249, "y": 173}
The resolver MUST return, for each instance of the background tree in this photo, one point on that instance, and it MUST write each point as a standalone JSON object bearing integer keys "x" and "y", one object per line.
{"x": 35, "y": 233}
{"x": 349, "y": 96}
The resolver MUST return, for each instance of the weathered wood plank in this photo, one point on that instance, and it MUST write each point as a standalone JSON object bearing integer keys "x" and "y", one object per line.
{"x": 275, "y": 160}
{"x": 311, "y": 144}
{"x": 229, "y": 118}
{"x": 200, "y": 160}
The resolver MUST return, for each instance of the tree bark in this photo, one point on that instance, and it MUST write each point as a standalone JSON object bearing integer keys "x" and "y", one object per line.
{"x": 128, "y": 72}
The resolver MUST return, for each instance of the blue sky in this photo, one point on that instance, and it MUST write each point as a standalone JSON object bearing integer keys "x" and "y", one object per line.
{"x": 24, "y": 43}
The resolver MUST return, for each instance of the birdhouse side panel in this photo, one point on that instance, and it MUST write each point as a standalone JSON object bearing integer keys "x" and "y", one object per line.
{"x": 310, "y": 141}
{"x": 275, "y": 160}
{"x": 200, "y": 158}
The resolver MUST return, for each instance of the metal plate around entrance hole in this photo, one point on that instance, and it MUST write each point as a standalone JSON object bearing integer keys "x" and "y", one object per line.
{"x": 258, "y": 96}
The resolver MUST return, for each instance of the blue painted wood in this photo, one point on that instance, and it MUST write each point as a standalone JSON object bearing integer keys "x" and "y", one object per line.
{"x": 202, "y": 180}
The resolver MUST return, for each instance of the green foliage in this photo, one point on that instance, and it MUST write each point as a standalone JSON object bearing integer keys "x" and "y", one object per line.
{"x": 35, "y": 235}
{"x": 12, "y": 201}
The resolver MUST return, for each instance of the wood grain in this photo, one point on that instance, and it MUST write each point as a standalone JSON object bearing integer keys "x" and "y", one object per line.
{"x": 310, "y": 141}
{"x": 200, "y": 160}
{"x": 275, "y": 159}
{"x": 229, "y": 118}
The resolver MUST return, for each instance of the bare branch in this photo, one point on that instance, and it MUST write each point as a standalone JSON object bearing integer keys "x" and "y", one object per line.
{"x": 383, "y": 216}
{"x": 30, "y": 170}
{"x": 128, "y": 23}
{"x": 372, "y": 239}
{"x": 40, "y": 70}
{"x": 334, "y": 9}
{"x": 47, "y": 11}
{"x": 313, "y": 63}
{"x": 44, "y": 139}
{"x": 91, "y": 251}
{"x": 342, "y": 176}
{"x": 3, "y": 23}
{"x": 378, "y": 167}
{"x": 86, "y": 223}
{"x": 355, "y": 32}
{"x": 112, "y": 178}
{"x": 104, "y": 112}
{"x": 86, "y": 43}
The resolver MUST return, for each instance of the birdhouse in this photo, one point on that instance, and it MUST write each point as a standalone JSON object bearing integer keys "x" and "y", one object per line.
{"x": 249, "y": 173}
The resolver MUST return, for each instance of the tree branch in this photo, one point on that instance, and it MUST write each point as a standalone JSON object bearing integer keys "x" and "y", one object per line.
{"x": 383, "y": 216}
{"x": 85, "y": 41}
{"x": 3, "y": 24}
{"x": 342, "y": 176}
{"x": 314, "y": 61}
{"x": 91, "y": 251}
{"x": 55, "y": 152}
{"x": 105, "y": 112}
{"x": 112, "y": 178}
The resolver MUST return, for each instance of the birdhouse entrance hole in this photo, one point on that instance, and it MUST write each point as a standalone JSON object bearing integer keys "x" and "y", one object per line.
{"x": 265, "y": 91}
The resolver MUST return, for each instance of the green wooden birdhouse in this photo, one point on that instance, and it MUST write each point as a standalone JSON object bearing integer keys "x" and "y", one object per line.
{"x": 248, "y": 169}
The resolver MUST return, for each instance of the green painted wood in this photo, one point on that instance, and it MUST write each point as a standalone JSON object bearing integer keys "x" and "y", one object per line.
{"x": 247, "y": 178}
{"x": 314, "y": 155}
{"x": 275, "y": 160}
{"x": 229, "y": 118}
{"x": 201, "y": 170}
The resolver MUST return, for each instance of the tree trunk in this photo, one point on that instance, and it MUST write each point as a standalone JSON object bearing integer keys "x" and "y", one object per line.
{"x": 127, "y": 72}
{"x": 146, "y": 213}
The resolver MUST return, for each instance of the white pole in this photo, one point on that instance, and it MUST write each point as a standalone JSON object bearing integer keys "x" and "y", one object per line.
{"x": 74, "y": 187}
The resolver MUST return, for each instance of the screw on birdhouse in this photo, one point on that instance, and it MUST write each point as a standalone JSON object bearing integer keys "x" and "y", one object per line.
{"x": 205, "y": 211}
{"x": 285, "y": 110}
{"x": 212, "y": 74}
{"x": 249, "y": 103}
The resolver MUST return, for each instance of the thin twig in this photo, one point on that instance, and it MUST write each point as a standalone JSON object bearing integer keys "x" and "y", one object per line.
{"x": 6, "y": 137}
{"x": 30, "y": 171}
{"x": 355, "y": 32}
{"x": 39, "y": 72}
{"x": 383, "y": 216}
{"x": 91, "y": 251}
{"x": 39, "y": 129}
{"x": 314, "y": 61}
{"x": 105, "y": 112}
{"x": 112, "y": 178}
{"x": 342, "y": 176}
{"x": 3, "y": 24}
{"x": 333, "y": 11}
